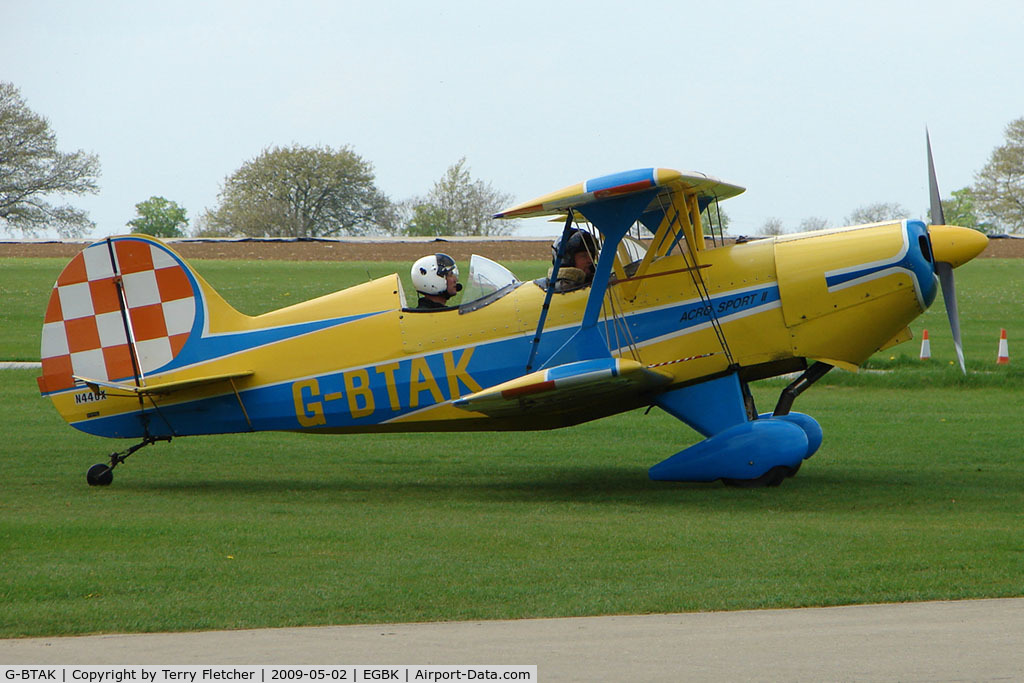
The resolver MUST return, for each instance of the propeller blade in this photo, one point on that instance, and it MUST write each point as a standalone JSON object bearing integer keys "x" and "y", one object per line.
{"x": 944, "y": 269}
{"x": 945, "y": 273}
{"x": 937, "y": 216}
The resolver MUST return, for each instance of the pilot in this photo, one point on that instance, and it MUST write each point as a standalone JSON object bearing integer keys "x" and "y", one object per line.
{"x": 576, "y": 269}
{"x": 436, "y": 278}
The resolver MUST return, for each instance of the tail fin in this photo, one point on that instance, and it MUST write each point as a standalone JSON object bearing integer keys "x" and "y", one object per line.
{"x": 123, "y": 308}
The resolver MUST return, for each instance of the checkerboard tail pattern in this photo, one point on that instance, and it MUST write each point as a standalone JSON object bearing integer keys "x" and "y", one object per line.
{"x": 85, "y": 331}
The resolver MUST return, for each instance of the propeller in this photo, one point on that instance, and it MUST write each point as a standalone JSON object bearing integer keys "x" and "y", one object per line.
{"x": 944, "y": 269}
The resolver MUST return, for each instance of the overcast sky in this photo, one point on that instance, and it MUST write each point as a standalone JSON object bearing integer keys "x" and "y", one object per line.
{"x": 816, "y": 107}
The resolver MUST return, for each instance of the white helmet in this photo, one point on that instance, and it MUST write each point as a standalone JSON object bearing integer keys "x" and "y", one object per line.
{"x": 429, "y": 274}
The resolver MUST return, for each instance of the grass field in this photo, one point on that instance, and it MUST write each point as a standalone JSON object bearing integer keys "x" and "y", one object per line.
{"x": 916, "y": 494}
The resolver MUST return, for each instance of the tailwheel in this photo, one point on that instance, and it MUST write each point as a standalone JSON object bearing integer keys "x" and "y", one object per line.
{"x": 99, "y": 475}
{"x": 103, "y": 475}
{"x": 772, "y": 477}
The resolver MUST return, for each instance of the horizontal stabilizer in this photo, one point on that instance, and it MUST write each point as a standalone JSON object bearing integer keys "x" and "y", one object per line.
{"x": 161, "y": 389}
{"x": 564, "y": 388}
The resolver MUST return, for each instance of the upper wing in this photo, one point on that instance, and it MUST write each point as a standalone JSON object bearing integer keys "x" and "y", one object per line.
{"x": 668, "y": 181}
{"x": 567, "y": 388}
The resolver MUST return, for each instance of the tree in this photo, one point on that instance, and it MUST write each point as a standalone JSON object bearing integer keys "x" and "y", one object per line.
{"x": 960, "y": 210}
{"x": 999, "y": 186}
{"x": 31, "y": 168}
{"x": 775, "y": 226}
{"x": 300, "y": 192}
{"x": 813, "y": 224}
{"x": 159, "y": 217}
{"x": 877, "y": 213}
{"x": 714, "y": 219}
{"x": 772, "y": 226}
{"x": 459, "y": 205}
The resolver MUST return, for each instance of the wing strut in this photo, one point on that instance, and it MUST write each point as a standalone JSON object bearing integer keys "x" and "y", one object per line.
{"x": 550, "y": 290}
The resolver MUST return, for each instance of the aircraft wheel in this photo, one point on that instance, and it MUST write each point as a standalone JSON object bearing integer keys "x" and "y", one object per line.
{"x": 772, "y": 477}
{"x": 99, "y": 475}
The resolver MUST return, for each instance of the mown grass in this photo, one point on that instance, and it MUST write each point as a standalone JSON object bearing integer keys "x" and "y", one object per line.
{"x": 915, "y": 494}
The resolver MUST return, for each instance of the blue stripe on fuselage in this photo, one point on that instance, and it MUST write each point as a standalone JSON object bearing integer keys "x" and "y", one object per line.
{"x": 911, "y": 259}
{"x": 363, "y": 396}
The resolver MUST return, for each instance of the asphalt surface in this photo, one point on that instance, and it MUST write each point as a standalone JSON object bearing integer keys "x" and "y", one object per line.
{"x": 977, "y": 640}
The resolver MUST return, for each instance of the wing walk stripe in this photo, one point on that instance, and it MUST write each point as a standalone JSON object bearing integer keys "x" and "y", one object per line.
{"x": 530, "y": 389}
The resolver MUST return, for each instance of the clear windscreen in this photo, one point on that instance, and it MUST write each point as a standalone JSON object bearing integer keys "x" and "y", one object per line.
{"x": 487, "y": 282}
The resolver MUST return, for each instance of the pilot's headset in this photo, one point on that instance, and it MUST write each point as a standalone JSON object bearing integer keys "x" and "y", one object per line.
{"x": 578, "y": 241}
{"x": 429, "y": 274}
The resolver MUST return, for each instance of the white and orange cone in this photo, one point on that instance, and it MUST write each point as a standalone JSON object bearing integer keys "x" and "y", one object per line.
{"x": 926, "y": 347}
{"x": 1004, "y": 349}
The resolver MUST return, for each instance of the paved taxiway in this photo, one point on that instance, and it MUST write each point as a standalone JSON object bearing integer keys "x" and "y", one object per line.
{"x": 976, "y": 640}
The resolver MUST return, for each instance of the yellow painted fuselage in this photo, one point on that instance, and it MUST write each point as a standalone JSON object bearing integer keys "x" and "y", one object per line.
{"x": 357, "y": 361}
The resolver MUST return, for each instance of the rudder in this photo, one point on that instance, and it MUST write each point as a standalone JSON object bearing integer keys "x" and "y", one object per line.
{"x": 124, "y": 307}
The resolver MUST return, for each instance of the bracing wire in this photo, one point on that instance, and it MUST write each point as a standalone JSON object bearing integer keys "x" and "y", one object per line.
{"x": 705, "y": 296}
{"x": 615, "y": 317}
{"x": 619, "y": 325}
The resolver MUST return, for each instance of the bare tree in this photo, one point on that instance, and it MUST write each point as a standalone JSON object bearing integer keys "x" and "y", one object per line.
{"x": 31, "y": 169}
{"x": 813, "y": 224}
{"x": 877, "y": 213}
{"x": 772, "y": 226}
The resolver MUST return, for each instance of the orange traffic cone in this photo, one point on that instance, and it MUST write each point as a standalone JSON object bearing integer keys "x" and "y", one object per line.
{"x": 1004, "y": 349}
{"x": 926, "y": 347}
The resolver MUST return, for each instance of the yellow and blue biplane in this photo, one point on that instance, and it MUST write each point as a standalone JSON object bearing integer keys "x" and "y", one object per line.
{"x": 137, "y": 345}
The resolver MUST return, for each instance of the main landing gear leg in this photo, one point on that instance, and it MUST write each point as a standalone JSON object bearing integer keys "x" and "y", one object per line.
{"x": 799, "y": 386}
{"x": 101, "y": 474}
{"x": 741, "y": 448}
